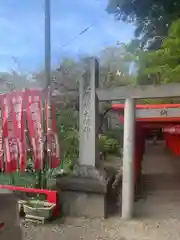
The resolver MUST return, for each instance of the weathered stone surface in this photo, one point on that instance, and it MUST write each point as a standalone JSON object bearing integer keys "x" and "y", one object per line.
{"x": 88, "y": 114}
{"x": 9, "y": 216}
{"x": 82, "y": 204}
{"x": 85, "y": 171}
{"x": 87, "y": 196}
{"x": 8, "y": 207}
{"x": 81, "y": 184}
{"x": 83, "y": 194}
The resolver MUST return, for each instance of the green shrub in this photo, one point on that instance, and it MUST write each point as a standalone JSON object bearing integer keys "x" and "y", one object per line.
{"x": 67, "y": 124}
{"x": 70, "y": 148}
{"x": 108, "y": 145}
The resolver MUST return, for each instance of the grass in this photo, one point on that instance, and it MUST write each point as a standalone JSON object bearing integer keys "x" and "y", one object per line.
{"x": 18, "y": 179}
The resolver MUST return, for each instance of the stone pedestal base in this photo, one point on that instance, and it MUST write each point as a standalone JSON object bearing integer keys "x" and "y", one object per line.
{"x": 79, "y": 204}
{"x": 83, "y": 193}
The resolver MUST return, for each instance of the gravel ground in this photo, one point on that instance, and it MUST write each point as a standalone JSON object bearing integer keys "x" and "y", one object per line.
{"x": 157, "y": 213}
{"x": 112, "y": 229}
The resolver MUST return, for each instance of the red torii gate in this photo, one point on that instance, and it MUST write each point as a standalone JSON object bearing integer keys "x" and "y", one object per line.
{"x": 166, "y": 116}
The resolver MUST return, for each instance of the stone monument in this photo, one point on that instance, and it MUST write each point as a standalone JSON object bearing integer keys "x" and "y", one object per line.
{"x": 83, "y": 193}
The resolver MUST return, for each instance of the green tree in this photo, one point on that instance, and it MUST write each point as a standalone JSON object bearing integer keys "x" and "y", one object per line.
{"x": 165, "y": 62}
{"x": 114, "y": 67}
{"x": 159, "y": 66}
{"x": 151, "y": 18}
{"x": 140, "y": 59}
{"x": 15, "y": 81}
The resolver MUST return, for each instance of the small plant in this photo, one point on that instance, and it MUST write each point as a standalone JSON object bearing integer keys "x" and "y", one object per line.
{"x": 108, "y": 145}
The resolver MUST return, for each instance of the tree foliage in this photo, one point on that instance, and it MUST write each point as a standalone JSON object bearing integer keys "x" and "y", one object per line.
{"x": 10, "y": 81}
{"x": 158, "y": 66}
{"x": 152, "y": 18}
{"x": 165, "y": 62}
{"x": 114, "y": 67}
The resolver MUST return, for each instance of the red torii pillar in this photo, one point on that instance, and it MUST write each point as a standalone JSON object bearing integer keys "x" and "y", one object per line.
{"x": 172, "y": 139}
{"x": 139, "y": 151}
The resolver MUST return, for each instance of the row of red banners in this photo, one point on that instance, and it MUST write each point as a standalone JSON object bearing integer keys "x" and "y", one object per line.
{"x": 22, "y": 112}
{"x": 172, "y": 130}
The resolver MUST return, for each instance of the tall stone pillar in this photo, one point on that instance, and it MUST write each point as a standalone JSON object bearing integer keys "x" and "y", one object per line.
{"x": 128, "y": 159}
{"x": 83, "y": 193}
{"x": 88, "y": 114}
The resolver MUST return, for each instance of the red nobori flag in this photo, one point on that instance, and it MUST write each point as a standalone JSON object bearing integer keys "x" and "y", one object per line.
{"x": 52, "y": 137}
{"x": 10, "y": 141}
{"x": 34, "y": 119}
{"x": 1, "y": 142}
{"x": 55, "y": 145}
{"x": 17, "y": 106}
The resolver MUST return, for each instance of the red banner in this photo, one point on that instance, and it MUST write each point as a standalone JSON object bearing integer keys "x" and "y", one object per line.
{"x": 1, "y": 142}
{"x": 17, "y": 106}
{"x": 10, "y": 141}
{"x": 34, "y": 119}
{"x": 55, "y": 144}
{"x": 52, "y": 137}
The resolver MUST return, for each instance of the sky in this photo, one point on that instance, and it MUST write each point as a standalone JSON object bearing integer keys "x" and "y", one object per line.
{"x": 22, "y": 31}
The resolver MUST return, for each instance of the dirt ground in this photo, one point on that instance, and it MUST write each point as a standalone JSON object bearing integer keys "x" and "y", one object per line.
{"x": 157, "y": 212}
{"x": 111, "y": 229}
